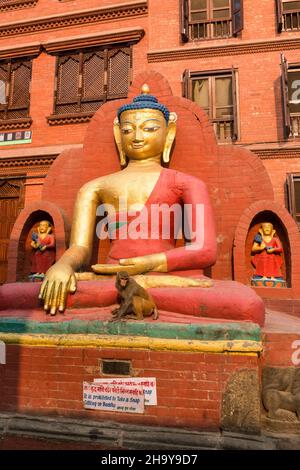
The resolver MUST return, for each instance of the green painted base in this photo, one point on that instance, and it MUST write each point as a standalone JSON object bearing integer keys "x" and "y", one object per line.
{"x": 204, "y": 332}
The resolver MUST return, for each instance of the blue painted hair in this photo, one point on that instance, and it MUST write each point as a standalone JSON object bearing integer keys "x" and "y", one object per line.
{"x": 145, "y": 101}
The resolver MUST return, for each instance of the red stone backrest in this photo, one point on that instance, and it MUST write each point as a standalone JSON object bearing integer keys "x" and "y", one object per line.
{"x": 235, "y": 177}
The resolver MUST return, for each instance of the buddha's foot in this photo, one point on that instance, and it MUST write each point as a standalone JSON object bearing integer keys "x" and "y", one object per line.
{"x": 149, "y": 281}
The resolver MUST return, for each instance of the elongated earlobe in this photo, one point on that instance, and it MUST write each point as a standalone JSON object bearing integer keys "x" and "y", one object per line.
{"x": 171, "y": 133}
{"x": 118, "y": 140}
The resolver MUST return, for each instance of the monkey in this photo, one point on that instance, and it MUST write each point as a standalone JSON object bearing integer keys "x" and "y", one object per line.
{"x": 134, "y": 299}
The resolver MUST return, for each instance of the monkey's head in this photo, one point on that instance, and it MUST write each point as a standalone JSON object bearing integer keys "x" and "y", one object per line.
{"x": 122, "y": 278}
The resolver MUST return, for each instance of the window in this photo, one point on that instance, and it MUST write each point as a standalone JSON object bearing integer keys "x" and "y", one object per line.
{"x": 293, "y": 190}
{"x": 15, "y": 76}
{"x": 206, "y": 19}
{"x": 290, "y": 81}
{"x": 288, "y": 15}
{"x": 215, "y": 92}
{"x": 86, "y": 79}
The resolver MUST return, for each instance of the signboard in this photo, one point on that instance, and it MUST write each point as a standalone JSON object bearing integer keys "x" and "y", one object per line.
{"x": 16, "y": 137}
{"x": 110, "y": 397}
{"x": 148, "y": 385}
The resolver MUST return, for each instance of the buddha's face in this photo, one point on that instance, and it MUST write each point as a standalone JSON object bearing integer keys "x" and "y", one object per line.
{"x": 143, "y": 133}
{"x": 43, "y": 227}
{"x": 267, "y": 228}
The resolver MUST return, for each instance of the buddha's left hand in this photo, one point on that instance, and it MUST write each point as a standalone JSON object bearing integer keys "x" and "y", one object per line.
{"x": 138, "y": 265}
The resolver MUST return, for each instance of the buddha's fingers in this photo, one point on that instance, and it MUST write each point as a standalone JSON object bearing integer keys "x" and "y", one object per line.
{"x": 73, "y": 284}
{"x": 49, "y": 294}
{"x": 43, "y": 289}
{"x": 55, "y": 298}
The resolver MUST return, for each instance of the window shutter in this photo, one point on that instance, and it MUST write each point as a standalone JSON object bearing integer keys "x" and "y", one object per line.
{"x": 184, "y": 18}
{"x": 285, "y": 96}
{"x": 237, "y": 16}
{"x": 235, "y": 129}
{"x": 67, "y": 84}
{"x": 4, "y": 88}
{"x": 118, "y": 72}
{"x": 187, "y": 84}
{"x": 291, "y": 194}
{"x": 93, "y": 75}
{"x": 279, "y": 15}
{"x": 19, "y": 90}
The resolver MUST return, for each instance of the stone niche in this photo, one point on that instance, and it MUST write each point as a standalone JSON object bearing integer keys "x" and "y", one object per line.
{"x": 281, "y": 233}
{"x": 24, "y": 248}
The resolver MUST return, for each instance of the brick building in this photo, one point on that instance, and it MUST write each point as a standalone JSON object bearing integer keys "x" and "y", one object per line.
{"x": 61, "y": 59}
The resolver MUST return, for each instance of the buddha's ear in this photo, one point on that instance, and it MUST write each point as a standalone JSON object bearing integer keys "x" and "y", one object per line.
{"x": 118, "y": 140}
{"x": 171, "y": 133}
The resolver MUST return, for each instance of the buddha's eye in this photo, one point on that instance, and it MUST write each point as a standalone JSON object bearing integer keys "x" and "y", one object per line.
{"x": 127, "y": 130}
{"x": 151, "y": 128}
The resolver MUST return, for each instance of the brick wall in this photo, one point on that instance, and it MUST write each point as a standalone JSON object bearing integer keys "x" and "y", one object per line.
{"x": 48, "y": 380}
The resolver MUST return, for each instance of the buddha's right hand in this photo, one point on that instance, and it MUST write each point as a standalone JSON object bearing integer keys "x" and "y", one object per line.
{"x": 58, "y": 283}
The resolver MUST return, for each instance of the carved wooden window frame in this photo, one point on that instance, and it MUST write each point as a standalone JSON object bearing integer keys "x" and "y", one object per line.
{"x": 290, "y": 94}
{"x": 75, "y": 109}
{"x": 291, "y": 195}
{"x": 189, "y": 77}
{"x": 15, "y": 111}
{"x": 288, "y": 19}
{"x": 16, "y": 4}
{"x": 234, "y": 22}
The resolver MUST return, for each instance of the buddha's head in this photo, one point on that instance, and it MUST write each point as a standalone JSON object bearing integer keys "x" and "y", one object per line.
{"x": 144, "y": 129}
{"x": 267, "y": 229}
{"x": 44, "y": 227}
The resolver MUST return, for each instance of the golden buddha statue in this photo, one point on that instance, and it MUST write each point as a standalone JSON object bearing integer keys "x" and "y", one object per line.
{"x": 144, "y": 134}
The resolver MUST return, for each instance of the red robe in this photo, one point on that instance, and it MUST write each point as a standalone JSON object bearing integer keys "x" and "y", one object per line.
{"x": 269, "y": 264}
{"x": 172, "y": 187}
{"x": 41, "y": 261}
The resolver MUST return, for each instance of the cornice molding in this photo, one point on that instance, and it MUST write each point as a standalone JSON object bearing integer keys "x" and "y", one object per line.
{"x": 61, "y": 119}
{"x": 274, "y": 154}
{"x": 76, "y": 42}
{"x": 17, "y": 163}
{"x": 224, "y": 50}
{"x": 32, "y": 49}
{"x": 17, "y": 4}
{"x": 15, "y": 124}
{"x": 98, "y": 15}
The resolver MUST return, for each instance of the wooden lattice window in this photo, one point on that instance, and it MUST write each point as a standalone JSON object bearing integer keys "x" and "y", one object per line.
{"x": 293, "y": 192}
{"x": 205, "y": 19}
{"x": 15, "y": 76}
{"x": 216, "y": 93}
{"x": 288, "y": 15}
{"x": 86, "y": 79}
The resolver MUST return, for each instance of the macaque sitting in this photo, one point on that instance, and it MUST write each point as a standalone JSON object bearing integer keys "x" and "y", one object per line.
{"x": 134, "y": 299}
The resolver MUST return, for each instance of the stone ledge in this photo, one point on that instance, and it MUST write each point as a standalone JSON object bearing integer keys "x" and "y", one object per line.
{"x": 58, "y": 331}
{"x": 137, "y": 437}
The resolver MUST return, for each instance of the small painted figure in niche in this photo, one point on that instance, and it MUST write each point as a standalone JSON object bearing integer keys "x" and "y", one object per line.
{"x": 267, "y": 257}
{"x": 43, "y": 244}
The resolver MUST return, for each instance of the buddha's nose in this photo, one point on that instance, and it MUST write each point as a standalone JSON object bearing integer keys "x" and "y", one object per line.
{"x": 138, "y": 136}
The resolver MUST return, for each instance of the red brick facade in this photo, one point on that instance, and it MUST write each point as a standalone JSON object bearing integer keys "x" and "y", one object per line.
{"x": 41, "y": 27}
{"x": 190, "y": 386}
